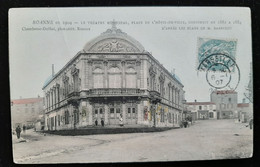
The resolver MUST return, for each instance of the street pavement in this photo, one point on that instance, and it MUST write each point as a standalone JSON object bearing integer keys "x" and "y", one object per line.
{"x": 206, "y": 139}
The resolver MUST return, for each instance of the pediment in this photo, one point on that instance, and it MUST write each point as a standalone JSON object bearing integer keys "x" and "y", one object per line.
{"x": 113, "y": 45}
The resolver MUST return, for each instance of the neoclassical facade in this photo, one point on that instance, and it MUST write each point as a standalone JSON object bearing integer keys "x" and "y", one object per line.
{"x": 112, "y": 77}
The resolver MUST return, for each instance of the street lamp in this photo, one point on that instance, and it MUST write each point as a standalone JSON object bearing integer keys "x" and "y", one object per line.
{"x": 154, "y": 100}
{"x": 183, "y": 102}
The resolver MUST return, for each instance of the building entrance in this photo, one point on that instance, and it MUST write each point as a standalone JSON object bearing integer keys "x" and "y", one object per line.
{"x": 98, "y": 115}
{"x": 131, "y": 116}
{"x": 114, "y": 115}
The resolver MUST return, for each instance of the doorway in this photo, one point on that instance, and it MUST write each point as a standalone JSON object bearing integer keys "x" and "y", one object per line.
{"x": 98, "y": 115}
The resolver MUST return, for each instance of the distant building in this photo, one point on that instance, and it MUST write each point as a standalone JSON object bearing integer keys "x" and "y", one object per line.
{"x": 245, "y": 112}
{"x": 226, "y": 103}
{"x": 202, "y": 110}
{"x": 26, "y": 111}
{"x": 113, "y": 77}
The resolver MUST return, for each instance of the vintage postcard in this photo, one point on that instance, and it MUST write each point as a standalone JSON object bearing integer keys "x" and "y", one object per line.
{"x": 130, "y": 84}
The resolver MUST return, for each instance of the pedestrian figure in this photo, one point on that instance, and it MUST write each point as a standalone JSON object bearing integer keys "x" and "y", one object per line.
{"x": 24, "y": 128}
{"x": 251, "y": 123}
{"x": 102, "y": 122}
{"x": 96, "y": 122}
{"x": 121, "y": 120}
{"x": 18, "y": 131}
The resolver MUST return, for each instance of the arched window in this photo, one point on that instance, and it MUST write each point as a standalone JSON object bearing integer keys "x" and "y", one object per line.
{"x": 98, "y": 78}
{"x": 114, "y": 77}
{"x": 130, "y": 78}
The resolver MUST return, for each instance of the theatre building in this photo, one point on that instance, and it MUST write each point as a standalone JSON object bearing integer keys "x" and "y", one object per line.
{"x": 112, "y": 77}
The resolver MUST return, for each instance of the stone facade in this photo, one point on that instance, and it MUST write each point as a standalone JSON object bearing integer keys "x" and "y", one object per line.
{"x": 26, "y": 110}
{"x": 226, "y": 103}
{"x": 112, "y": 77}
{"x": 202, "y": 110}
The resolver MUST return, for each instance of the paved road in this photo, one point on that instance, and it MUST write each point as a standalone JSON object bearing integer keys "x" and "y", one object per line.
{"x": 207, "y": 139}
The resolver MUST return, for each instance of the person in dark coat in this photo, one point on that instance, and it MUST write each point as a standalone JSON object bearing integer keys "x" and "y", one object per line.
{"x": 24, "y": 128}
{"x": 251, "y": 124}
{"x": 18, "y": 131}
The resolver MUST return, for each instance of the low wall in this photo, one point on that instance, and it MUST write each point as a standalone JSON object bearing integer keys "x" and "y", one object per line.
{"x": 104, "y": 130}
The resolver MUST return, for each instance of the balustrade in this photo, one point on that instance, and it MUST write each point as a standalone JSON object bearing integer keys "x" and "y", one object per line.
{"x": 115, "y": 91}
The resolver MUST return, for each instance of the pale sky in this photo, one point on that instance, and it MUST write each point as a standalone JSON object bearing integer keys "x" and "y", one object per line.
{"x": 32, "y": 53}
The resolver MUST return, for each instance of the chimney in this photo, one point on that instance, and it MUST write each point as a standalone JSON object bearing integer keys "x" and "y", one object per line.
{"x": 195, "y": 100}
{"x": 52, "y": 69}
{"x": 244, "y": 100}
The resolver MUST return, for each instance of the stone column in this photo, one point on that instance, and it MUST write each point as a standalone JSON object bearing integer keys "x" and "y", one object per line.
{"x": 143, "y": 80}
{"x": 58, "y": 94}
{"x": 90, "y": 78}
{"x": 123, "y": 83}
{"x": 138, "y": 70}
{"x": 51, "y": 99}
{"x": 106, "y": 114}
{"x": 54, "y": 91}
{"x": 105, "y": 77}
{"x": 173, "y": 96}
{"x": 89, "y": 113}
{"x": 175, "y": 92}
{"x": 169, "y": 94}
{"x": 124, "y": 112}
{"x": 47, "y": 104}
{"x": 139, "y": 113}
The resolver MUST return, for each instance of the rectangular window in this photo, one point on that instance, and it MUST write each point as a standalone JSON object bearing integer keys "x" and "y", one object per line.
{"x": 133, "y": 112}
{"x": 98, "y": 81}
{"x": 129, "y": 112}
{"x": 200, "y": 107}
{"x": 229, "y": 100}
{"x": 114, "y": 81}
{"x": 131, "y": 81}
{"x": 117, "y": 112}
{"x": 96, "y": 113}
{"x": 112, "y": 112}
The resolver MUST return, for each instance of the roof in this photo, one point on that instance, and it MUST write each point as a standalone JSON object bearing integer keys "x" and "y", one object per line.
{"x": 243, "y": 105}
{"x": 103, "y": 41}
{"x": 199, "y": 103}
{"x": 177, "y": 78}
{"x": 48, "y": 80}
{"x": 27, "y": 101}
{"x": 225, "y": 92}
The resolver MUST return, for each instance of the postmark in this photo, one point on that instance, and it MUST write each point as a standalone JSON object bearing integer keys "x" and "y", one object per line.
{"x": 220, "y": 47}
{"x": 217, "y": 60}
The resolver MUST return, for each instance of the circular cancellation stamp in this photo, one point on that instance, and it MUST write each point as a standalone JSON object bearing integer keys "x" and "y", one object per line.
{"x": 216, "y": 58}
